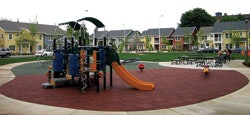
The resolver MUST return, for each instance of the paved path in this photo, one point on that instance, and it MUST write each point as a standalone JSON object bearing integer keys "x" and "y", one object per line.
{"x": 237, "y": 103}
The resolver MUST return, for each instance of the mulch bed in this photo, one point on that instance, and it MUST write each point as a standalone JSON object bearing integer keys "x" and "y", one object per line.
{"x": 174, "y": 87}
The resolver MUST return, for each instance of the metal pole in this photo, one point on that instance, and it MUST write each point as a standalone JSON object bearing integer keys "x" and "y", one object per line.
{"x": 159, "y": 33}
{"x": 246, "y": 21}
{"x": 124, "y": 37}
{"x": 136, "y": 34}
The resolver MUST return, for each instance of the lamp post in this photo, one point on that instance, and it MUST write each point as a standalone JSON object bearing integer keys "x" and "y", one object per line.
{"x": 85, "y": 30}
{"x": 136, "y": 34}
{"x": 124, "y": 37}
{"x": 159, "y": 33}
{"x": 246, "y": 21}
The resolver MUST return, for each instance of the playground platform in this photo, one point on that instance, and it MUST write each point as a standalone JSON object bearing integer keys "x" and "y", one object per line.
{"x": 180, "y": 89}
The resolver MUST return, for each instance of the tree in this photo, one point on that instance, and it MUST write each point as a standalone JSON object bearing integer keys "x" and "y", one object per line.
{"x": 121, "y": 46}
{"x": 196, "y": 17}
{"x": 200, "y": 39}
{"x": 25, "y": 37}
{"x": 85, "y": 35}
{"x": 33, "y": 31}
{"x": 235, "y": 37}
{"x": 227, "y": 18}
{"x": 83, "y": 32}
{"x": 5, "y": 19}
{"x": 164, "y": 40}
{"x": 147, "y": 44}
{"x": 189, "y": 39}
{"x": 28, "y": 36}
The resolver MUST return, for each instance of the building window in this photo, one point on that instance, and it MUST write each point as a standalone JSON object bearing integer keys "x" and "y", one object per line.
{"x": 17, "y": 35}
{"x": 230, "y": 46}
{"x": 204, "y": 37}
{"x": 39, "y": 47}
{"x": 40, "y": 37}
{"x": 217, "y": 37}
{"x": 240, "y": 34}
{"x": 1, "y": 36}
{"x": 227, "y": 35}
{"x": 50, "y": 38}
{"x": 177, "y": 46}
{"x": 177, "y": 39}
{"x": 120, "y": 39}
{"x": 10, "y": 36}
{"x": 163, "y": 46}
{"x": 12, "y": 47}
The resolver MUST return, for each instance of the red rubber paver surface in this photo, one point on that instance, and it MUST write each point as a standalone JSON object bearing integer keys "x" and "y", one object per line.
{"x": 174, "y": 87}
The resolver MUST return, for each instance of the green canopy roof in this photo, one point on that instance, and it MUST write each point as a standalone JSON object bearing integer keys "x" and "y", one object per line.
{"x": 95, "y": 21}
{"x": 74, "y": 25}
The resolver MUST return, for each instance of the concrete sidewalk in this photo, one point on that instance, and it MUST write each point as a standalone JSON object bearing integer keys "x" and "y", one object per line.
{"x": 237, "y": 103}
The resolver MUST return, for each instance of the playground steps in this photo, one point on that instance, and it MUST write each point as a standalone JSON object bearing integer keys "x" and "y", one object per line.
{"x": 55, "y": 82}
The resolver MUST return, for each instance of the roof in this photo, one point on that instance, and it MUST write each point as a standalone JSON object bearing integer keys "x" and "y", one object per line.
{"x": 10, "y": 26}
{"x": 114, "y": 33}
{"x": 119, "y": 33}
{"x": 233, "y": 25}
{"x": 155, "y": 32}
{"x": 181, "y": 31}
{"x": 133, "y": 33}
{"x": 206, "y": 30}
{"x": 100, "y": 34}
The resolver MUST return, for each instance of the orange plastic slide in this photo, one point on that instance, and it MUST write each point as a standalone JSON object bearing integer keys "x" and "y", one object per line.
{"x": 130, "y": 79}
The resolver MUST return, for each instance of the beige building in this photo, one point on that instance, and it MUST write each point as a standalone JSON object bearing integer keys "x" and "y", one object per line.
{"x": 19, "y": 38}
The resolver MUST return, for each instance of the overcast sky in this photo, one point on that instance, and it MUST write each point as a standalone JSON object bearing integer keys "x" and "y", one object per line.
{"x": 116, "y": 14}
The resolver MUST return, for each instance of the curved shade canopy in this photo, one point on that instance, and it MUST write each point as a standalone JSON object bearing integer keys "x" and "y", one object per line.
{"x": 95, "y": 21}
{"x": 74, "y": 25}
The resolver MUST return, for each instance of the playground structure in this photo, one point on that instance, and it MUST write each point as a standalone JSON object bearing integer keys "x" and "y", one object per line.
{"x": 87, "y": 63}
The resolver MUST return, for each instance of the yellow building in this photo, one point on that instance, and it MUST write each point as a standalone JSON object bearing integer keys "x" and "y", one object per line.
{"x": 205, "y": 38}
{"x": 155, "y": 38}
{"x": 19, "y": 38}
{"x": 230, "y": 34}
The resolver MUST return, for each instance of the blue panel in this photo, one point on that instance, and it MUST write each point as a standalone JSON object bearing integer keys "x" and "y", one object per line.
{"x": 73, "y": 64}
{"x": 58, "y": 62}
{"x": 101, "y": 57}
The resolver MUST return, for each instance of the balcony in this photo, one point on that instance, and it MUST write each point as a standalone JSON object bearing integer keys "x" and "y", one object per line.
{"x": 217, "y": 40}
{"x": 156, "y": 42}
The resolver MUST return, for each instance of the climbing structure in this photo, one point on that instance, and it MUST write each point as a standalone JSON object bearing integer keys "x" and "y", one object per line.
{"x": 87, "y": 63}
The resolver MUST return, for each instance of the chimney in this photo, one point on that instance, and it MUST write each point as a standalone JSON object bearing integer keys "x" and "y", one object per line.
{"x": 218, "y": 14}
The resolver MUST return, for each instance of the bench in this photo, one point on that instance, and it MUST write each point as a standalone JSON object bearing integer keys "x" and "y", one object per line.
{"x": 195, "y": 56}
{"x": 200, "y": 63}
{"x": 176, "y": 61}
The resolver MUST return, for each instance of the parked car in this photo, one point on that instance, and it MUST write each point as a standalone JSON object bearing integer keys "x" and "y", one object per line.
{"x": 9, "y": 51}
{"x": 237, "y": 50}
{"x": 5, "y": 52}
{"x": 43, "y": 52}
{"x": 208, "y": 50}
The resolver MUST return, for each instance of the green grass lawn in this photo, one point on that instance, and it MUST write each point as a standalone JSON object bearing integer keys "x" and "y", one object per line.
{"x": 4, "y": 61}
{"x": 155, "y": 57}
